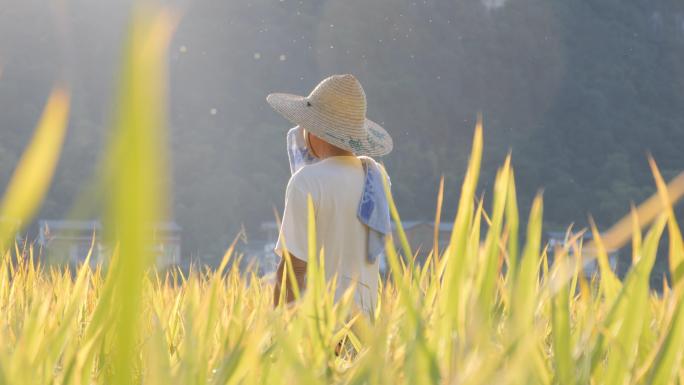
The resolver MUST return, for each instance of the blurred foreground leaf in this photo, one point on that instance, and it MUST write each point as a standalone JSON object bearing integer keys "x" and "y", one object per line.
{"x": 136, "y": 175}
{"x": 32, "y": 177}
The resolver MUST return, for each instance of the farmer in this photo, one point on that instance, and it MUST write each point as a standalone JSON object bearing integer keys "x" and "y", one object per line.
{"x": 329, "y": 152}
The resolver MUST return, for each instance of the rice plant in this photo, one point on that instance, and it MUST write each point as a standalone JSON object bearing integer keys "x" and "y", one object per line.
{"x": 490, "y": 308}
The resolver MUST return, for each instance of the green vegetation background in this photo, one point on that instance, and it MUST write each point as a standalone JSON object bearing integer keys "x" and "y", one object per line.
{"x": 580, "y": 91}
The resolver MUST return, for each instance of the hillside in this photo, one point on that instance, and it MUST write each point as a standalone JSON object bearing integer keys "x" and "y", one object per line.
{"x": 579, "y": 92}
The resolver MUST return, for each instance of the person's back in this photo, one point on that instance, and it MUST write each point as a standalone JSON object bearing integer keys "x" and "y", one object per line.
{"x": 336, "y": 186}
{"x": 348, "y": 192}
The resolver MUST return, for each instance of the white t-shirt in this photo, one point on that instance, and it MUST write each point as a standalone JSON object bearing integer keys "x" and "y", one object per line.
{"x": 335, "y": 185}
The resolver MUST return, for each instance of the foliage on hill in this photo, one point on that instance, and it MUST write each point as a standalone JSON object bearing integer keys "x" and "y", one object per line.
{"x": 578, "y": 91}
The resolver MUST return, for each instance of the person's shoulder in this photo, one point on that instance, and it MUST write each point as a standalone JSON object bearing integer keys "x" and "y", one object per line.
{"x": 304, "y": 178}
{"x": 324, "y": 172}
{"x": 311, "y": 172}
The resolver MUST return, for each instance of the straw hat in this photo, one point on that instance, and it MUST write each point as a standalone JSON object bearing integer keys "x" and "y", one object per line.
{"x": 335, "y": 111}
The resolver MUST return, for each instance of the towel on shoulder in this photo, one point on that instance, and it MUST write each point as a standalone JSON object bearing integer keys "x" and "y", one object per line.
{"x": 373, "y": 209}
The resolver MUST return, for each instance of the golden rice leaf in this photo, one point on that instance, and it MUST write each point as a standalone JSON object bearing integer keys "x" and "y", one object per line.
{"x": 228, "y": 254}
{"x": 621, "y": 232}
{"x": 610, "y": 284}
{"x": 636, "y": 235}
{"x": 394, "y": 213}
{"x": 675, "y": 234}
{"x": 455, "y": 257}
{"x": 560, "y": 332}
{"x": 630, "y": 320}
{"x": 668, "y": 361}
{"x": 512, "y": 224}
{"x": 613, "y": 327}
{"x": 438, "y": 221}
{"x": 311, "y": 229}
{"x": 524, "y": 295}
{"x": 492, "y": 252}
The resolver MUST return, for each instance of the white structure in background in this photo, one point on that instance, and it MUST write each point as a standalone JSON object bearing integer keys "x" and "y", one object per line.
{"x": 268, "y": 259}
{"x": 493, "y": 4}
{"x": 557, "y": 239}
{"x": 70, "y": 242}
{"x": 260, "y": 250}
{"x": 166, "y": 243}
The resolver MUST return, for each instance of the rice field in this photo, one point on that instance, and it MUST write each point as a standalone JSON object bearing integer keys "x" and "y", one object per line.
{"x": 495, "y": 307}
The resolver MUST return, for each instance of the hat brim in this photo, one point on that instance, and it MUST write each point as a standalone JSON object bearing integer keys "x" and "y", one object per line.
{"x": 372, "y": 140}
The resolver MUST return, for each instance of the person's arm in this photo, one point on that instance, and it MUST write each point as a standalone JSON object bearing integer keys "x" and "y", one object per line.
{"x": 293, "y": 231}
{"x": 299, "y": 268}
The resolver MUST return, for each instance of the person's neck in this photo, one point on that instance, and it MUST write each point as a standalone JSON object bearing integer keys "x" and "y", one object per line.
{"x": 334, "y": 152}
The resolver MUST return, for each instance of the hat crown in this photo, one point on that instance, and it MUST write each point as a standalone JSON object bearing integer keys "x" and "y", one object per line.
{"x": 341, "y": 97}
